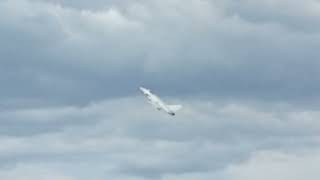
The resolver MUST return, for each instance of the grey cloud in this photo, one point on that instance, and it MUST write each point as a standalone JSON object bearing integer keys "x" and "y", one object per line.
{"x": 97, "y": 4}
{"x": 24, "y": 122}
{"x": 28, "y": 172}
{"x": 144, "y": 143}
{"x": 295, "y": 15}
{"x": 62, "y": 48}
{"x": 69, "y": 72}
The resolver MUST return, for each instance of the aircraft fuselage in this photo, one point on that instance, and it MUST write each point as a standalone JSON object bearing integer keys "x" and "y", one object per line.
{"x": 156, "y": 101}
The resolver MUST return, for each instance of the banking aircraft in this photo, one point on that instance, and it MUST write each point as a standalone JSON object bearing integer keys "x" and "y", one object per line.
{"x": 156, "y": 102}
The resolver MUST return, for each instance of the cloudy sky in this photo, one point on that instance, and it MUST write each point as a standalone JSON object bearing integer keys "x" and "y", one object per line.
{"x": 246, "y": 72}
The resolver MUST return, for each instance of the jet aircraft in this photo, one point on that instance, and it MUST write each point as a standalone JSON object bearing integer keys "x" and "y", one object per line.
{"x": 156, "y": 102}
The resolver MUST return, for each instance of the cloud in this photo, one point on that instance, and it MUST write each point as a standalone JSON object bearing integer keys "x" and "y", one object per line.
{"x": 245, "y": 73}
{"x": 264, "y": 165}
{"x": 203, "y": 140}
{"x": 98, "y": 50}
{"x": 295, "y": 15}
{"x": 280, "y": 165}
{"x": 27, "y": 172}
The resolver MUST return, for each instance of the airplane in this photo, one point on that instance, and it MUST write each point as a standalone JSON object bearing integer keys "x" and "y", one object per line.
{"x": 156, "y": 102}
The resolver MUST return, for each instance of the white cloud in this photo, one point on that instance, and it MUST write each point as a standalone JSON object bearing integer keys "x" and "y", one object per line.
{"x": 264, "y": 165}
{"x": 32, "y": 172}
{"x": 202, "y": 140}
{"x": 278, "y": 166}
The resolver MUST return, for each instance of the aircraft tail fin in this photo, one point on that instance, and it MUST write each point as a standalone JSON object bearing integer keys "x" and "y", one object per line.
{"x": 175, "y": 108}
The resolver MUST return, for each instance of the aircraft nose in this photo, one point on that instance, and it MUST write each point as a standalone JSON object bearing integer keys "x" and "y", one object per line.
{"x": 144, "y": 90}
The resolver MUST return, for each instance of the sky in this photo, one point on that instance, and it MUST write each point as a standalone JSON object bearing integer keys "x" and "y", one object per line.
{"x": 245, "y": 71}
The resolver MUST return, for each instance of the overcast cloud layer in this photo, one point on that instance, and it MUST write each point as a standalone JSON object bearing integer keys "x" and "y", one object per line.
{"x": 246, "y": 72}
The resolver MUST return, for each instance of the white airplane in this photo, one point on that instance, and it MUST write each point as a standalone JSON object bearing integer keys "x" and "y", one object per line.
{"x": 158, "y": 103}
